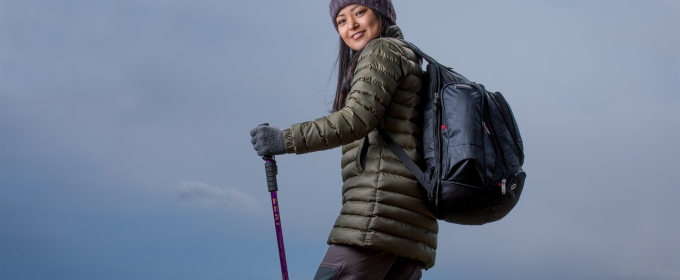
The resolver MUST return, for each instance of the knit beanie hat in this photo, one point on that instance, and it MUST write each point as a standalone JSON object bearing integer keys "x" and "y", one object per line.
{"x": 384, "y": 7}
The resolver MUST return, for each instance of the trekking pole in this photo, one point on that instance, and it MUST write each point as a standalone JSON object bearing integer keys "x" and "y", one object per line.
{"x": 272, "y": 170}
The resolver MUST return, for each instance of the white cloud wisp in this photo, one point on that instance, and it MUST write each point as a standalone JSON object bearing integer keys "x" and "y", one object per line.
{"x": 205, "y": 195}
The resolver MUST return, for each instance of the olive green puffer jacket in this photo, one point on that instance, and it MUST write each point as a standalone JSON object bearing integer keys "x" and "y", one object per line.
{"x": 382, "y": 208}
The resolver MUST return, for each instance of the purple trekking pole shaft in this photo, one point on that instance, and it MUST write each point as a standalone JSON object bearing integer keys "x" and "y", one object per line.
{"x": 272, "y": 170}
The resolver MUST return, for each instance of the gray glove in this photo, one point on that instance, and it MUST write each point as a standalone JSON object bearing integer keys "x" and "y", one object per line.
{"x": 268, "y": 140}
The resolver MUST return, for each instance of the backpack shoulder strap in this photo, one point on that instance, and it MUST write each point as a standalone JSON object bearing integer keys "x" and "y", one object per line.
{"x": 431, "y": 60}
{"x": 401, "y": 154}
{"x": 421, "y": 53}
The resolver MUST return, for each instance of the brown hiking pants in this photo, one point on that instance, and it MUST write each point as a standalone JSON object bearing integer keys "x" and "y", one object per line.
{"x": 356, "y": 263}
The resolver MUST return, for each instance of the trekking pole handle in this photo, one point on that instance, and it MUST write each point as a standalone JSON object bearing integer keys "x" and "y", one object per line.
{"x": 271, "y": 170}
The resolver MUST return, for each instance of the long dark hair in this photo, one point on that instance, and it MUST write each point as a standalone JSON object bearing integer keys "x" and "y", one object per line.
{"x": 347, "y": 62}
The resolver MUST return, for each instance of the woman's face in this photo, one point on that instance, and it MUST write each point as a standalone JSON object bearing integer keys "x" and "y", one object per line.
{"x": 357, "y": 25}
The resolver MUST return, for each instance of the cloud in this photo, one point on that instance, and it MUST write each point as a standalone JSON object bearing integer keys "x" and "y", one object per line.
{"x": 205, "y": 195}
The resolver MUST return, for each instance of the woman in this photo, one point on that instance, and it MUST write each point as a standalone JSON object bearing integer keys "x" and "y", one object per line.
{"x": 384, "y": 230}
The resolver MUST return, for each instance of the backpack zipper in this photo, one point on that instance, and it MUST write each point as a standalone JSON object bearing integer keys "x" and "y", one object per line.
{"x": 513, "y": 128}
{"x": 486, "y": 115}
{"x": 438, "y": 148}
{"x": 503, "y": 183}
{"x": 486, "y": 129}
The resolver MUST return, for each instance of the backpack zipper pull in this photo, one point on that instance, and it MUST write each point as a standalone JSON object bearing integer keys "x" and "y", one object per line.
{"x": 503, "y": 186}
{"x": 485, "y": 128}
{"x": 436, "y": 101}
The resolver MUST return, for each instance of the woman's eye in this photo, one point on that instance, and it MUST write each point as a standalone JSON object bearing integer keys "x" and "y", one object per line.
{"x": 360, "y": 13}
{"x": 340, "y": 21}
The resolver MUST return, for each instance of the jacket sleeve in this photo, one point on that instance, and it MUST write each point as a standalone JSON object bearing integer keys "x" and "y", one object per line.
{"x": 380, "y": 68}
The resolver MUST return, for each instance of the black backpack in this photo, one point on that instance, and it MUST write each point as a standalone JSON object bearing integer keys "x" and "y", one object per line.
{"x": 472, "y": 148}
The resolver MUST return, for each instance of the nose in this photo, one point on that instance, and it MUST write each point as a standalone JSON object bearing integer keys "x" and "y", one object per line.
{"x": 353, "y": 24}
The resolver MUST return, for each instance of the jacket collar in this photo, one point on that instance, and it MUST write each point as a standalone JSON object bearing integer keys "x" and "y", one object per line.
{"x": 394, "y": 32}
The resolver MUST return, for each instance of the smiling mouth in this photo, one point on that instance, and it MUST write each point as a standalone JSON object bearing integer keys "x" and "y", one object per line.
{"x": 358, "y": 35}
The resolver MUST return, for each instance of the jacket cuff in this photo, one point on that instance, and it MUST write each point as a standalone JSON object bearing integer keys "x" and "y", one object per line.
{"x": 289, "y": 142}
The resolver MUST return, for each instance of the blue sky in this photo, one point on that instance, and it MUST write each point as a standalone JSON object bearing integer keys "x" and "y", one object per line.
{"x": 125, "y": 154}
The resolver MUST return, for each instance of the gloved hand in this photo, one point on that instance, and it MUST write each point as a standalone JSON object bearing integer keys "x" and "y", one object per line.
{"x": 268, "y": 140}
